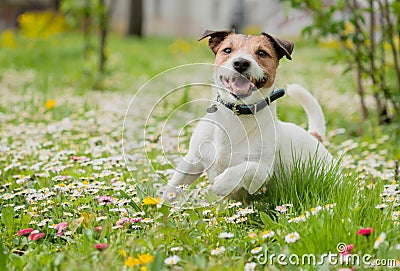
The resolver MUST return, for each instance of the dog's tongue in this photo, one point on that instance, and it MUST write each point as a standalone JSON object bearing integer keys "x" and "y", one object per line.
{"x": 241, "y": 83}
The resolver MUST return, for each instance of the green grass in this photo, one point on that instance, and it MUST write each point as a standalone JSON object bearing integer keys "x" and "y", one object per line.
{"x": 55, "y": 163}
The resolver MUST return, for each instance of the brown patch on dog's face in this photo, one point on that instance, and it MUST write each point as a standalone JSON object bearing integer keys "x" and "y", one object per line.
{"x": 258, "y": 48}
{"x": 246, "y": 63}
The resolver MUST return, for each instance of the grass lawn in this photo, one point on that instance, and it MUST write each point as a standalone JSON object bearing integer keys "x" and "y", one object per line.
{"x": 63, "y": 174}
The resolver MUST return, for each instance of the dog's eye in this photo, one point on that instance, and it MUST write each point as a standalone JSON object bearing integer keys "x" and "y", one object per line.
{"x": 227, "y": 50}
{"x": 262, "y": 53}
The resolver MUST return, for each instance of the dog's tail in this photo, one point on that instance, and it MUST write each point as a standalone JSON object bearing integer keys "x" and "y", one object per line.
{"x": 316, "y": 119}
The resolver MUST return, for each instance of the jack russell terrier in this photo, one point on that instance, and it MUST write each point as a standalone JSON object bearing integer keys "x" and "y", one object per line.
{"x": 241, "y": 142}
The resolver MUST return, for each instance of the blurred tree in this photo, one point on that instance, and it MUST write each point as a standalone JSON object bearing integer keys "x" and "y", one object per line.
{"x": 92, "y": 16}
{"x": 367, "y": 34}
{"x": 135, "y": 18}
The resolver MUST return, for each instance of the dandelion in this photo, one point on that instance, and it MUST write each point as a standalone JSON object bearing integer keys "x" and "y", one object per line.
{"x": 292, "y": 237}
{"x": 267, "y": 234}
{"x": 150, "y": 201}
{"x": 172, "y": 260}
{"x": 256, "y": 250}
{"x": 250, "y": 266}
{"x": 24, "y": 231}
{"x": 61, "y": 227}
{"x": 122, "y": 253}
{"x": 145, "y": 258}
{"x": 218, "y": 251}
{"x": 36, "y": 236}
{"x": 378, "y": 241}
{"x": 131, "y": 262}
{"x": 50, "y": 104}
{"x": 365, "y": 231}
{"x": 7, "y": 39}
{"x": 226, "y": 235}
{"x": 101, "y": 247}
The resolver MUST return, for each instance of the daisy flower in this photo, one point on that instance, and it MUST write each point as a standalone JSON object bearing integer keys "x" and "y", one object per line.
{"x": 218, "y": 250}
{"x": 226, "y": 235}
{"x": 172, "y": 260}
{"x": 36, "y": 236}
{"x": 381, "y": 238}
{"x": 174, "y": 249}
{"x": 24, "y": 231}
{"x": 267, "y": 234}
{"x": 61, "y": 227}
{"x": 250, "y": 266}
{"x": 101, "y": 246}
{"x": 105, "y": 200}
{"x": 292, "y": 237}
{"x": 256, "y": 250}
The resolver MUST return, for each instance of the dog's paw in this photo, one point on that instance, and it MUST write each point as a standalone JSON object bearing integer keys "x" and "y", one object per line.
{"x": 170, "y": 193}
{"x": 224, "y": 185}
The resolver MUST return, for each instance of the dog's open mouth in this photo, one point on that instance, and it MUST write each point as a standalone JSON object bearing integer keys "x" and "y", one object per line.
{"x": 241, "y": 86}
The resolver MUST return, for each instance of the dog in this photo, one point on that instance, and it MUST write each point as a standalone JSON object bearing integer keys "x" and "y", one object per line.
{"x": 241, "y": 142}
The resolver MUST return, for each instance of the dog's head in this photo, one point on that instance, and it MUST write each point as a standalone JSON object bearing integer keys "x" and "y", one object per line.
{"x": 245, "y": 63}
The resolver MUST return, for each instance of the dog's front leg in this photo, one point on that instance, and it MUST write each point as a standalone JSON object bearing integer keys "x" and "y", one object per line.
{"x": 187, "y": 171}
{"x": 249, "y": 175}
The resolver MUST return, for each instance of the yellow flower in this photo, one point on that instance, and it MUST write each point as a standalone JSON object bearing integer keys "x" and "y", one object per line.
{"x": 145, "y": 258}
{"x": 7, "y": 39}
{"x": 349, "y": 44}
{"x": 50, "y": 104}
{"x": 143, "y": 268}
{"x": 131, "y": 262}
{"x": 150, "y": 201}
{"x": 35, "y": 25}
{"x": 179, "y": 45}
{"x": 122, "y": 252}
{"x": 329, "y": 43}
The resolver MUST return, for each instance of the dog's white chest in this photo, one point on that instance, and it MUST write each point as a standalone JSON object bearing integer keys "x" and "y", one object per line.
{"x": 225, "y": 140}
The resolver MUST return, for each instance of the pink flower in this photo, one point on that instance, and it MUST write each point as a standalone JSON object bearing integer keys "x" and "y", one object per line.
{"x": 349, "y": 247}
{"x": 24, "y": 231}
{"x": 101, "y": 246}
{"x": 36, "y": 236}
{"x": 123, "y": 221}
{"x": 98, "y": 228}
{"x": 365, "y": 231}
{"x": 347, "y": 250}
{"x": 135, "y": 220}
{"x": 61, "y": 227}
{"x": 104, "y": 200}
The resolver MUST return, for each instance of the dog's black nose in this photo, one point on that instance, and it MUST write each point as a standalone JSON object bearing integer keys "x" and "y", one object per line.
{"x": 241, "y": 64}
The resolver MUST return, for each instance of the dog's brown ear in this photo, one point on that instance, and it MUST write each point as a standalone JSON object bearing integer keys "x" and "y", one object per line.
{"x": 282, "y": 47}
{"x": 216, "y": 37}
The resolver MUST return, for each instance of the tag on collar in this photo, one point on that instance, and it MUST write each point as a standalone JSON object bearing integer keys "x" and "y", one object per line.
{"x": 212, "y": 109}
